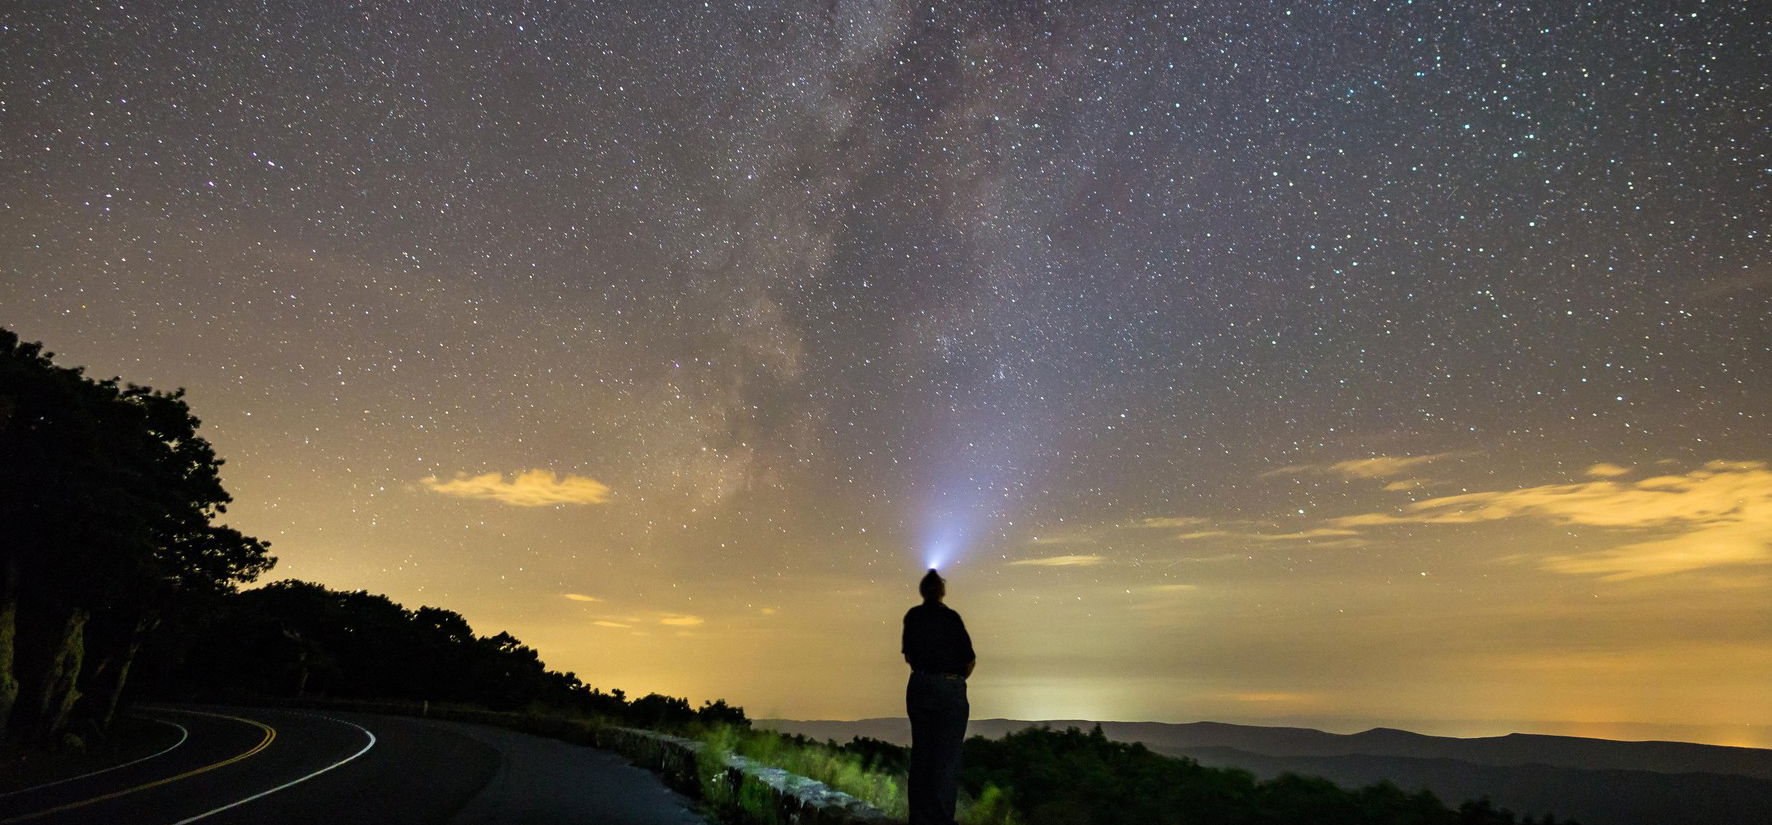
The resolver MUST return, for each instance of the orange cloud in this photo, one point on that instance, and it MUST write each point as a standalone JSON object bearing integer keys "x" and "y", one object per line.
{"x": 535, "y": 488}
{"x": 580, "y": 597}
{"x": 1717, "y": 515}
{"x": 680, "y": 620}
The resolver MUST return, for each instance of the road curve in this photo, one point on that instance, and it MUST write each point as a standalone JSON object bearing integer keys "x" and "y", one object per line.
{"x": 251, "y": 765}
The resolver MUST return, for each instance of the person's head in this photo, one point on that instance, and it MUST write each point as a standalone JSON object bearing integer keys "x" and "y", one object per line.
{"x": 933, "y": 586}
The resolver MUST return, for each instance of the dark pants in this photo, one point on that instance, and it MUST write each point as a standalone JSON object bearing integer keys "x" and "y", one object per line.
{"x": 938, "y": 711}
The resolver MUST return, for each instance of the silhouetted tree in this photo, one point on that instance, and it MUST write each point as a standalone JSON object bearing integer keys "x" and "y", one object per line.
{"x": 718, "y": 712}
{"x": 294, "y": 638}
{"x": 108, "y": 500}
{"x": 659, "y": 711}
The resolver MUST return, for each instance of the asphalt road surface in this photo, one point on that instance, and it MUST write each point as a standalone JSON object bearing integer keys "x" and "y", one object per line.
{"x": 249, "y": 765}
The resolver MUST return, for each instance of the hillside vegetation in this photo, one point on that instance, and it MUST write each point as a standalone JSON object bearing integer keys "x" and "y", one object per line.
{"x": 1040, "y": 776}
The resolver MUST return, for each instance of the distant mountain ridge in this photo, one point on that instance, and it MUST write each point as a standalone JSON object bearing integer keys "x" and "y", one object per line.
{"x": 1596, "y": 781}
{"x": 1511, "y": 749}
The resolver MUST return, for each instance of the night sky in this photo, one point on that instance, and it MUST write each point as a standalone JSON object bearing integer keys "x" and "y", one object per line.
{"x": 1338, "y": 363}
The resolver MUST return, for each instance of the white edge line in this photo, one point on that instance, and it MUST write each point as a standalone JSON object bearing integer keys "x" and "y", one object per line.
{"x": 183, "y": 734}
{"x": 293, "y": 782}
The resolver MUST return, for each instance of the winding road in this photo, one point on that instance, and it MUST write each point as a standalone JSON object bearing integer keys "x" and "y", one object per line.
{"x": 252, "y": 765}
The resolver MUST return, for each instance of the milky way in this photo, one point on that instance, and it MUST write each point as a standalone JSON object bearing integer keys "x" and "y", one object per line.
{"x": 1341, "y": 361}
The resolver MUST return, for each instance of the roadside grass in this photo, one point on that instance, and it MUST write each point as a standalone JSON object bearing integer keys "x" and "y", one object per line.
{"x": 869, "y": 770}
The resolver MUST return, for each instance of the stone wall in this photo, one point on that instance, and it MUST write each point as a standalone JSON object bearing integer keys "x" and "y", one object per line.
{"x": 742, "y": 789}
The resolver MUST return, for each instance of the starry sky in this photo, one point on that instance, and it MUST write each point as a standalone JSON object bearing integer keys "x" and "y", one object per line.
{"x": 1335, "y": 363}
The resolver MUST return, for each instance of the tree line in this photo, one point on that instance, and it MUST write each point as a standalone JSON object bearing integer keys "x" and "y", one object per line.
{"x": 1040, "y": 776}
{"x": 295, "y": 639}
{"x": 1047, "y": 777}
{"x": 112, "y": 550}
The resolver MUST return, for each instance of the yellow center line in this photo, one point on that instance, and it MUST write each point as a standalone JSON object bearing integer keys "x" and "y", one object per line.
{"x": 270, "y": 734}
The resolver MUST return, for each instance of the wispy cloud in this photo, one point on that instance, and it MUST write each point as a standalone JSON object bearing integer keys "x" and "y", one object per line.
{"x": 1717, "y": 515}
{"x": 1171, "y": 521}
{"x": 1275, "y": 697}
{"x": 535, "y": 488}
{"x": 607, "y": 623}
{"x": 1301, "y": 535}
{"x": 1378, "y": 466}
{"x": 1217, "y": 557}
{"x": 1062, "y": 538}
{"x": 1316, "y": 536}
{"x": 1606, "y": 470}
{"x": 1061, "y": 561}
{"x": 680, "y": 620}
{"x": 580, "y": 597}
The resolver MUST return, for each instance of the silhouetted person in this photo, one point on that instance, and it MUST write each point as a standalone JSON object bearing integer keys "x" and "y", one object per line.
{"x": 940, "y": 655}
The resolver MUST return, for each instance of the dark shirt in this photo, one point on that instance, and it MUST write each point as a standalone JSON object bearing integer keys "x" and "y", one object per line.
{"x": 936, "y": 640}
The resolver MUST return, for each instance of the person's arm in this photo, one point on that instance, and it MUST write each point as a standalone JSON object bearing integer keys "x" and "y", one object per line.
{"x": 966, "y": 639}
{"x": 904, "y": 645}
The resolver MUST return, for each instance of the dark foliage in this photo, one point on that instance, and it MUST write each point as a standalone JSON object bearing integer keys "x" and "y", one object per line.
{"x": 869, "y": 754}
{"x": 1078, "y": 778}
{"x": 299, "y": 639}
{"x": 109, "y": 505}
{"x": 879, "y": 754}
